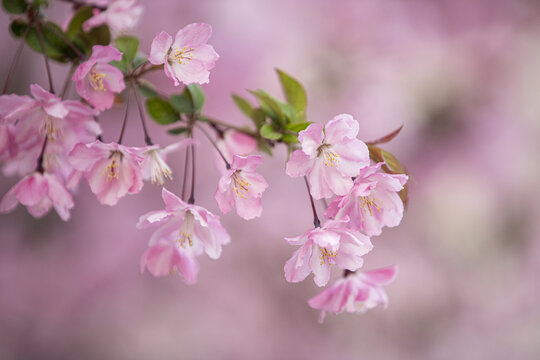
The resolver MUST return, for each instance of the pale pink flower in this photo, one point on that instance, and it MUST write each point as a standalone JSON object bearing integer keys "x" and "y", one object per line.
{"x": 234, "y": 143}
{"x": 154, "y": 166}
{"x": 10, "y": 105}
{"x": 188, "y": 58}
{"x": 356, "y": 292}
{"x": 120, "y": 15}
{"x": 39, "y": 192}
{"x": 242, "y": 187}
{"x": 186, "y": 231}
{"x": 30, "y": 121}
{"x": 333, "y": 243}
{"x": 97, "y": 80}
{"x": 373, "y": 201}
{"x": 329, "y": 157}
{"x": 112, "y": 170}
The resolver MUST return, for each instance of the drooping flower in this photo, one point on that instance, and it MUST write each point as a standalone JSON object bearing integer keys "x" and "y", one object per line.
{"x": 97, "y": 80}
{"x": 39, "y": 192}
{"x": 373, "y": 201}
{"x": 154, "y": 166}
{"x": 329, "y": 157}
{"x": 188, "y": 59}
{"x": 232, "y": 143}
{"x": 356, "y": 292}
{"x": 120, "y": 15}
{"x": 242, "y": 187}
{"x": 186, "y": 231}
{"x": 321, "y": 247}
{"x": 112, "y": 170}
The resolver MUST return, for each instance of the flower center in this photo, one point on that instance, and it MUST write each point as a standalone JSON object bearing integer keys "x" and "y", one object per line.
{"x": 50, "y": 129}
{"x": 240, "y": 186}
{"x": 185, "y": 234}
{"x": 96, "y": 80}
{"x": 112, "y": 170}
{"x": 331, "y": 159}
{"x": 326, "y": 255}
{"x": 159, "y": 170}
{"x": 184, "y": 55}
{"x": 369, "y": 204}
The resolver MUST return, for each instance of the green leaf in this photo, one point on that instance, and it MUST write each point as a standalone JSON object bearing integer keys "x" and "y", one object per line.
{"x": 259, "y": 117}
{"x": 392, "y": 166}
{"x": 271, "y": 107}
{"x": 197, "y": 96}
{"x": 268, "y": 132}
{"x": 178, "y": 130}
{"x": 161, "y": 111}
{"x": 15, "y": 6}
{"x": 263, "y": 146}
{"x": 294, "y": 91}
{"x": 243, "y": 104}
{"x": 128, "y": 46}
{"x": 290, "y": 138}
{"x": 146, "y": 88}
{"x": 99, "y": 35}
{"x": 75, "y": 25}
{"x": 297, "y": 127}
{"x": 288, "y": 110}
{"x": 182, "y": 103}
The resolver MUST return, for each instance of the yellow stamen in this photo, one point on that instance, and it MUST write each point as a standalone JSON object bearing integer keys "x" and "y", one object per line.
{"x": 240, "y": 186}
{"x": 112, "y": 170}
{"x": 96, "y": 80}
{"x": 184, "y": 55}
{"x": 49, "y": 128}
{"x": 331, "y": 159}
{"x": 185, "y": 233}
{"x": 369, "y": 204}
{"x": 327, "y": 255}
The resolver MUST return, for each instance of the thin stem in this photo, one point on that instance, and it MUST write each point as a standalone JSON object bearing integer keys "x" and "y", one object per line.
{"x": 228, "y": 126}
{"x": 125, "y": 118}
{"x": 316, "y": 220}
{"x": 214, "y": 145}
{"x": 69, "y": 43}
{"x": 40, "y": 167}
{"x": 192, "y": 196}
{"x": 185, "y": 174}
{"x": 67, "y": 82}
{"x": 15, "y": 60}
{"x": 42, "y": 45}
{"x": 147, "y": 139}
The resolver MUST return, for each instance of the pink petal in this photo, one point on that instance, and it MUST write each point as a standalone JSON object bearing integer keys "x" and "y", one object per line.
{"x": 193, "y": 35}
{"x": 160, "y": 48}
{"x": 247, "y": 163}
{"x": 341, "y": 126}
{"x": 299, "y": 164}
{"x": 297, "y": 267}
{"x": 171, "y": 201}
{"x": 311, "y": 138}
{"x": 61, "y": 198}
{"x": 105, "y": 54}
{"x": 321, "y": 272}
{"x": 382, "y": 276}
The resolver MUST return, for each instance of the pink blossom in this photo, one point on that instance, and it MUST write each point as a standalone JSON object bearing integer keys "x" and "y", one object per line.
{"x": 321, "y": 247}
{"x": 154, "y": 166}
{"x": 242, "y": 187}
{"x": 372, "y": 203}
{"x": 120, "y": 15}
{"x": 356, "y": 292}
{"x": 30, "y": 121}
{"x": 97, "y": 81}
{"x": 329, "y": 157}
{"x": 234, "y": 143}
{"x": 39, "y": 192}
{"x": 188, "y": 58}
{"x": 112, "y": 170}
{"x": 186, "y": 231}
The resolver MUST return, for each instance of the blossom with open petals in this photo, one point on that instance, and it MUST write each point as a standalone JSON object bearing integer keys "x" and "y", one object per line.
{"x": 330, "y": 157}
{"x": 120, "y": 15}
{"x": 97, "y": 80}
{"x": 188, "y": 58}
{"x": 154, "y": 166}
{"x": 185, "y": 232}
{"x": 333, "y": 243}
{"x": 39, "y": 193}
{"x": 112, "y": 170}
{"x": 356, "y": 292}
{"x": 373, "y": 201}
{"x": 242, "y": 187}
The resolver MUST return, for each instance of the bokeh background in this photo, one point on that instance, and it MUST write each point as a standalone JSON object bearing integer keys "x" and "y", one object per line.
{"x": 462, "y": 76}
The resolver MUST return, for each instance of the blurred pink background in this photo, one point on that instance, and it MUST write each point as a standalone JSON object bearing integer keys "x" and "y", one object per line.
{"x": 462, "y": 76}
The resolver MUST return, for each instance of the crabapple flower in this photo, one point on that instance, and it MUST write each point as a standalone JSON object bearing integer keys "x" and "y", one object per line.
{"x": 356, "y": 292}
{"x": 187, "y": 58}
{"x": 97, "y": 81}
{"x": 186, "y": 231}
{"x": 234, "y": 143}
{"x": 154, "y": 166}
{"x": 329, "y": 157}
{"x": 333, "y": 243}
{"x": 39, "y": 192}
{"x": 372, "y": 203}
{"x": 120, "y": 15}
{"x": 242, "y": 187}
{"x": 112, "y": 170}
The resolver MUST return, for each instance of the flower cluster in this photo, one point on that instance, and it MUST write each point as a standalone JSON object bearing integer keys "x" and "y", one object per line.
{"x": 52, "y": 143}
{"x": 337, "y": 164}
